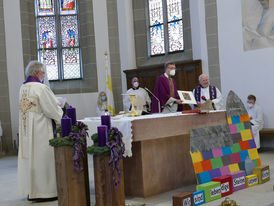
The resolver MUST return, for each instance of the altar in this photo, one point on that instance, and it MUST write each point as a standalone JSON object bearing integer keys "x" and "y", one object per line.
{"x": 157, "y": 157}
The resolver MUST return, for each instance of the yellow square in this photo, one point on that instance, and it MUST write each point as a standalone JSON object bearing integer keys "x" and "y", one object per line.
{"x": 253, "y": 154}
{"x": 246, "y": 134}
{"x": 229, "y": 121}
{"x": 196, "y": 157}
{"x": 234, "y": 167}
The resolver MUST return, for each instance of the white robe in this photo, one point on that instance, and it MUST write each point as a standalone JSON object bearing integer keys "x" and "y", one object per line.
{"x": 218, "y": 102}
{"x": 256, "y": 113}
{"x": 140, "y": 93}
{"x": 36, "y": 163}
{"x": 101, "y": 110}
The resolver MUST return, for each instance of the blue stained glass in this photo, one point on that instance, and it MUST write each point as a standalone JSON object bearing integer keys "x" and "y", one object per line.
{"x": 157, "y": 42}
{"x": 47, "y": 32}
{"x": 155, "y": 12}
{"x": 69, "y": 30}
{"x": 176, "y": 38}
{"x": 44, "y": 7}
{"x": 174, "y": 10}
{"x": 68, "y": 7}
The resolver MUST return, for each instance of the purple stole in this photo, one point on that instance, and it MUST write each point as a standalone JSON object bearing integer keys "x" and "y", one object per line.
{"x": 212, "y": 93}
{"x": 35, "y": 79}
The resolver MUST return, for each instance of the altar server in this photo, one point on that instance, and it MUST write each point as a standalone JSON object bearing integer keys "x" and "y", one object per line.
{"x": 166, "y": 91}
{"x": 139, "y": 92}
{"x": 256, "y": 116}
{"x": 205, "y": 92}
{"x": 38, "y": 114}
{"x": 102, "y": 104}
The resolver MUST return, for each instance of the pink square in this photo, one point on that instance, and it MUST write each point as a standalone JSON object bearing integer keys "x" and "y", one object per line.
{"x": 233, "y": 128}
{"x": 217, "y": 152}
{"x": 225, "y": 170}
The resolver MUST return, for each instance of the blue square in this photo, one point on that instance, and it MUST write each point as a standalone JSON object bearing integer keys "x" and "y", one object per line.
{"x": 207, "y": 155}
{"x": 215, "y": 173}
{"x": 242, "y": 165}
{"x": 226, "y": 150}
{"x": 252, "y": 144}
{"x": 203, "y": 177}
{"x": 243, "y": 155}
{"x": 198, "y": 198}
{"x": 236, "y": 119}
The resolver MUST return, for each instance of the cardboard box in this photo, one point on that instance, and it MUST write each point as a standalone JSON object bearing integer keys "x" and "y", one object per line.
{"x": 212, "y": 190}
{"x": 238, "y": 180}
{"x": 226, "y": 184}
{"x": 198, "y": 197}
{"x": 263, "y": 173}
{"x": 252, "y": 180}
{"x": 183, "y": 199}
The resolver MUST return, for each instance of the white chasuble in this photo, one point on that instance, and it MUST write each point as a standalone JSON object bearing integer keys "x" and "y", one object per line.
{"x": 36, "y": 163}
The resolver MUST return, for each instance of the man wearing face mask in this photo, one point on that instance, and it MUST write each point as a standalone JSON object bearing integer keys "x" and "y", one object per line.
{"x": 205, "y": 92}
{"x": 139, "y": 92}
{"x": 39, "y": 111}
{"x": 166, "y": 91}
{"x": 256, "y": 116}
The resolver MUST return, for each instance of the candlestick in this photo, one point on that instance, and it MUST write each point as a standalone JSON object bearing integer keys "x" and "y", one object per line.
{"x": 66, "y": 126}
{"x": 102, "y": 135}
{"x": 105, "y": 120}
{"x": 71, "y": 112}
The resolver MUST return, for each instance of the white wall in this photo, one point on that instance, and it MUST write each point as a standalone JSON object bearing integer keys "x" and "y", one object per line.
{"x": 198, "y": 32}
{"x": 244, "y": 72}
{"x": 14, "y": 53}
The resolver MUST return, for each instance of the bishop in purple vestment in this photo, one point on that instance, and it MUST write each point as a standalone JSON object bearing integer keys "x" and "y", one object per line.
{"x": 166, "y": 91}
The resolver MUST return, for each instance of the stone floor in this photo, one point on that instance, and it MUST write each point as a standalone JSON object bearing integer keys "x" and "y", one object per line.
{"x": 261, "y": 195}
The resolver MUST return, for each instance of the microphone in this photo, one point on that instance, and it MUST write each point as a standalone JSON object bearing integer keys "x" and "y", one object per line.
{"x": 159, "y": 107}
{"x": 213, "y": 105}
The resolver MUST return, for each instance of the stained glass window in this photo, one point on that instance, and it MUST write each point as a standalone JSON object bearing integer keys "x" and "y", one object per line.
{"x": 165, "y": 26}
{"x": 58, "y": 38}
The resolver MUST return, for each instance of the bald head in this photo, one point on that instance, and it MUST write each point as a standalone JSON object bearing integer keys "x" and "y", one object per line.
{"x": 204, "y": 80}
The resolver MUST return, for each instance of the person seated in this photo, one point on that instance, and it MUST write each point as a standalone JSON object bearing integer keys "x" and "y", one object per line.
{"x": 102, "y": 104}
{"x": 205, "y": 92}
{"x": 140, "y": 93}
{"x": 166, "y": 91}
{"x": 256, "y": 116}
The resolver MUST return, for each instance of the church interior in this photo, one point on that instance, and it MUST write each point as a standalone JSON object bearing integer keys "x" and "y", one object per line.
{"x": 136, "y": 102}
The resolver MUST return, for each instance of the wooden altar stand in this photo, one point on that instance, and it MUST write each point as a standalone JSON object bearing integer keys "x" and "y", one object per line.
{"x": 161, "y": 159}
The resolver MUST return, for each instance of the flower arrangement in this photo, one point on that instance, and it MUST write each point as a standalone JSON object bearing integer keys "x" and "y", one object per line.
{"x": 114, "y": 148}
{"x": 76, "y": 139}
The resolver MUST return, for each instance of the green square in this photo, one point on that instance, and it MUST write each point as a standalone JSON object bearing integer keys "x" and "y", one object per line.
{"x": 240, "y": 127}
{"x": 256, "y": 163}
{"x": 216, "y": 162}
{"x": 235, "y": 148}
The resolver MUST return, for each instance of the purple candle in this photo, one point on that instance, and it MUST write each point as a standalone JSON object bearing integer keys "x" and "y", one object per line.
{"x": 71, "y": 112}
{"x": 102, "y": 135}
{"x": 66, "y": 126}
{"x": 105, "y": 120}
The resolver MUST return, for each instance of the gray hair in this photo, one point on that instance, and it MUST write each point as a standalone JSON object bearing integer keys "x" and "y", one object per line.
{"x": 32, "y": 67}
{"x": 201, "y": 76}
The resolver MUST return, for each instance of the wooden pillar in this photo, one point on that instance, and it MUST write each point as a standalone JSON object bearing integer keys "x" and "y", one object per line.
{"x": 105, "y": 191}
{"x": 72, "y": 187}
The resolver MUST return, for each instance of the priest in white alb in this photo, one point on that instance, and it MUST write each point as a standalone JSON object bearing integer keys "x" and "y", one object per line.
{"x": 38, "y": 115}
{"x": 140, "y": 94}
{"x": 205, "y": 92}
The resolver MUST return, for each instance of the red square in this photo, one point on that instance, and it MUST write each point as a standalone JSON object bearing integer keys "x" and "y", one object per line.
{"x": 206, "y": 165}
{"x": 244, "y": 145}
{"x": 226, "y": 184}
{"x": 235, "y": 158}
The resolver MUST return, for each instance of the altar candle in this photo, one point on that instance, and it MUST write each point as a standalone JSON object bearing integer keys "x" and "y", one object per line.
{"x": 66, "y": 126}
{"x": 105, "y": 120}
{"x": 71, "y": 112}
{"x": 102, "y": 135}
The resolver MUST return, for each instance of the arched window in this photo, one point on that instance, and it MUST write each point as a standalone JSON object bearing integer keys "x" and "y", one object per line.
{"x": 165, "y": 26}
{"x": 58, "y": 38}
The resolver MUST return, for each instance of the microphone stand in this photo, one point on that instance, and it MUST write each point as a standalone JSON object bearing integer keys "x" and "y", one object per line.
{"x": 159, "y": 107}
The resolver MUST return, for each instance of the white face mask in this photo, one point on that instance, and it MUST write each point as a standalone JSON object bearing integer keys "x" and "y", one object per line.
{"x": 136, "y": 84}
{"x": 172, "y": 72}
{"x": 250, "y": 105}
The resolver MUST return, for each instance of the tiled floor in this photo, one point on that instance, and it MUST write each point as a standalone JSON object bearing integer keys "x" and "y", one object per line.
{"x": 261, "y": 195}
